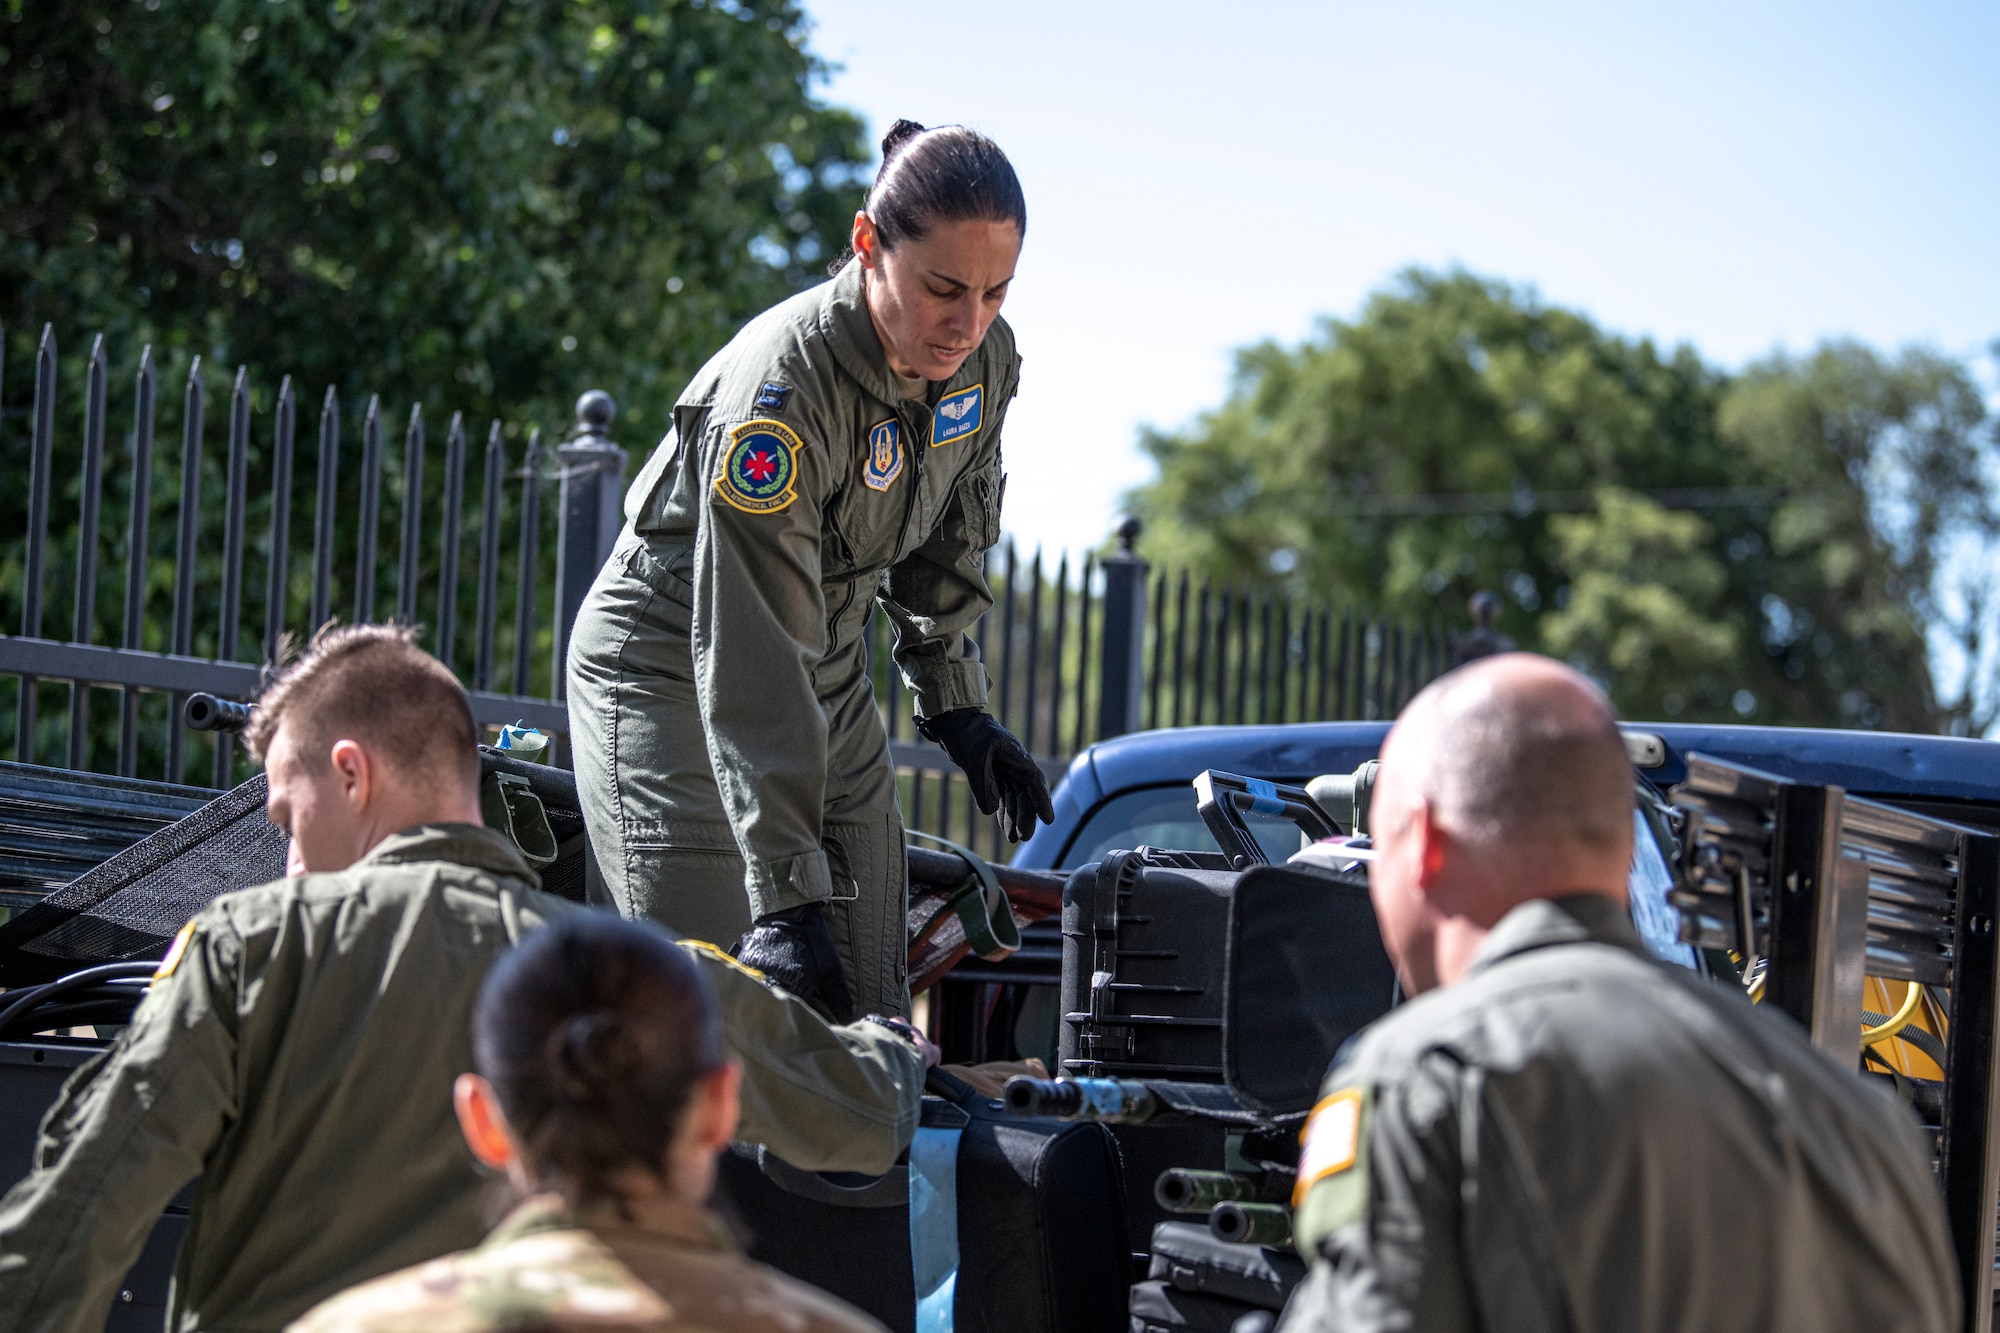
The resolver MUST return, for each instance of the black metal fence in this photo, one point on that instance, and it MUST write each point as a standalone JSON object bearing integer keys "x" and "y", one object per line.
{"x": 1086, "y": 650}
{"x": 1077, "y": 652}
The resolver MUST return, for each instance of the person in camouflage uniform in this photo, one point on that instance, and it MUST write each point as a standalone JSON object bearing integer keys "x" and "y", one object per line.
{"x": 841, "y": 453}
{"x": 604, "y": 1093}
{"x": 298, "y": 1044}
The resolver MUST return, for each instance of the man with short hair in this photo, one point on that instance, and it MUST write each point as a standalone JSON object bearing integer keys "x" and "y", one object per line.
{"x": 1559, "y": 1132}
{"x": 299, "y": 1042}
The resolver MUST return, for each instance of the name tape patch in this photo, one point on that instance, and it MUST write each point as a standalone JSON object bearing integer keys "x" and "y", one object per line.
{"x": 760, "y": 467}
{"x": 958, "y": 415}
{"x": 1332, "y": 1139}
{"x": 885, "y": 456}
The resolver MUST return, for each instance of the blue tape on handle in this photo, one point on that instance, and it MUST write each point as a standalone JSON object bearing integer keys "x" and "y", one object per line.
{"x": 934, "y": 1226}
{"x": 1264, "y": 798}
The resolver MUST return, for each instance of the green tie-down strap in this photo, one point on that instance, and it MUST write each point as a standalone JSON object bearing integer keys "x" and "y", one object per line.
{"x": 507, "y": 803}
{"x": 981, "y": 904}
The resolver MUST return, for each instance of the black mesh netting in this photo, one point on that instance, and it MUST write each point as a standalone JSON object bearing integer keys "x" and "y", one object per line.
{"x": 131, "y": 905}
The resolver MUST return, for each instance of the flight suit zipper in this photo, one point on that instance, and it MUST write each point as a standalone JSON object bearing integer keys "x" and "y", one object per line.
{"x": 920, "y": 445}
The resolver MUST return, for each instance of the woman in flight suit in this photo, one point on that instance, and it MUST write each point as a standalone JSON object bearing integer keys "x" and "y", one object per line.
{"x": 842, "y": 451}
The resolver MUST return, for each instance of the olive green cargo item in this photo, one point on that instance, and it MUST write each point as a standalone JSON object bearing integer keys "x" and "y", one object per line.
{"x": 297, "y": 1052}
{"x": 1577, "y": 1137}
{"x": 543, "y": 1269}
{"x": 729, "y": 756}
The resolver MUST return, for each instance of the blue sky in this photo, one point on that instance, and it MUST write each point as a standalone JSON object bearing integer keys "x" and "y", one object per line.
{"x": 1741, "y": 177}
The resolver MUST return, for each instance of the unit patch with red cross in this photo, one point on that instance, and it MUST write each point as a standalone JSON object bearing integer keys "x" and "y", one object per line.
{"x": 760, "y": 467}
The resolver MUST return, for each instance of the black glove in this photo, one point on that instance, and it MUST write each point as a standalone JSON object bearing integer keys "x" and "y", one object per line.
{"x": 1003, "y": 775}
{"x": 795, "y": 949}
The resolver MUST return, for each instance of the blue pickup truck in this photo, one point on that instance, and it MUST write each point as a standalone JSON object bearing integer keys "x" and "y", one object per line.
{"x": 1135, "y": 790}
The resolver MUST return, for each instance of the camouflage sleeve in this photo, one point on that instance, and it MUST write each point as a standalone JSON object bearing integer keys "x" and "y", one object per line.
{"x": 556, "y": 1281}
{"x": 824, "y": 1098}
{"x": 128, "y": 1130}
{"x": 938, "y": 591}
{"x": 1377, "y": 1207}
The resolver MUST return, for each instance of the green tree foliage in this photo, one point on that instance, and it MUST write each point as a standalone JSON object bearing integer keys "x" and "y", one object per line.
{"x": 1772, "y": 544}
{"x": 475, "y": 203}
{"x": 480, "y": 206}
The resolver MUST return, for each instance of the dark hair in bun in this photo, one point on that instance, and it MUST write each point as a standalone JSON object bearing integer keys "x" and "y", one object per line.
{"x": 593, "y": 1034}
{"x": 949, "y": 174}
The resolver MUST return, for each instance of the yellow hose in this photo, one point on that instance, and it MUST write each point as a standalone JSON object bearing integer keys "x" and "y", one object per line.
{"x": 1900, "y": 1020}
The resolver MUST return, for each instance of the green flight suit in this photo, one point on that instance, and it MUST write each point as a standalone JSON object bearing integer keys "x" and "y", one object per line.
{"x": 728, "y": 751}
{"x": 298, "y": 1055}
{"x": 1576, "y": 1137}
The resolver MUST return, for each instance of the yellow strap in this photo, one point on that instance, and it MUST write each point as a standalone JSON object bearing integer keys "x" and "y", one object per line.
{"x": 1901, "y": 1019}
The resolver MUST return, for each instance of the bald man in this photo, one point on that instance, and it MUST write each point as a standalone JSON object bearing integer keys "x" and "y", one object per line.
{"x": 1559, "y": 1132}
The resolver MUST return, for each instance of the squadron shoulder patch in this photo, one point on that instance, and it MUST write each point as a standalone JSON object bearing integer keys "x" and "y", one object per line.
{"x": 958, "y": 415}
{"x": 175, "y": 952}
{"x": 760, "y": 467}
{"x": 885, "y": 456}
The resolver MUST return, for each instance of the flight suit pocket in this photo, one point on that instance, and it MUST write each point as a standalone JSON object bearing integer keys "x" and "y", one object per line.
{"x": 652, "y": 563}
{"x": 988, "y": 489}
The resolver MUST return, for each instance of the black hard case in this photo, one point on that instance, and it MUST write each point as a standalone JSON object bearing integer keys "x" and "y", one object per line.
{"x": 1143, "y": 966}
{"x": 1042, "y": 1239}
{"x": 31, "y": 1075}
{"x": 1159, "y": 960}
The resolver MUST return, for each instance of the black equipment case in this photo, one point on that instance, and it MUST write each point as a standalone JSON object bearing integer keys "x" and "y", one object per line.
{"x": 1042, "y": 1240}
{"x": 1204, "y": 968}
{"x": 32, "y": 1072}
{"x": 1142, "y": 976}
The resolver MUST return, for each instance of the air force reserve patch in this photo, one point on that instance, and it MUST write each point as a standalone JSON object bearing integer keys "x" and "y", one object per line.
{"x": 760, "y": 467}
{"x": 957, "y": 416}
{"x": 885, "y": 456}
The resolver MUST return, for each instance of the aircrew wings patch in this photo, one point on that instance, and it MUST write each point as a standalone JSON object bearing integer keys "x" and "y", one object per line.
{"x": 958, "y": 415}
{"x": 760, "y": 469}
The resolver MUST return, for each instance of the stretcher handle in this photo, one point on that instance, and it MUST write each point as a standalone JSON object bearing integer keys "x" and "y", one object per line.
{"x": 1224, "y": 799}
